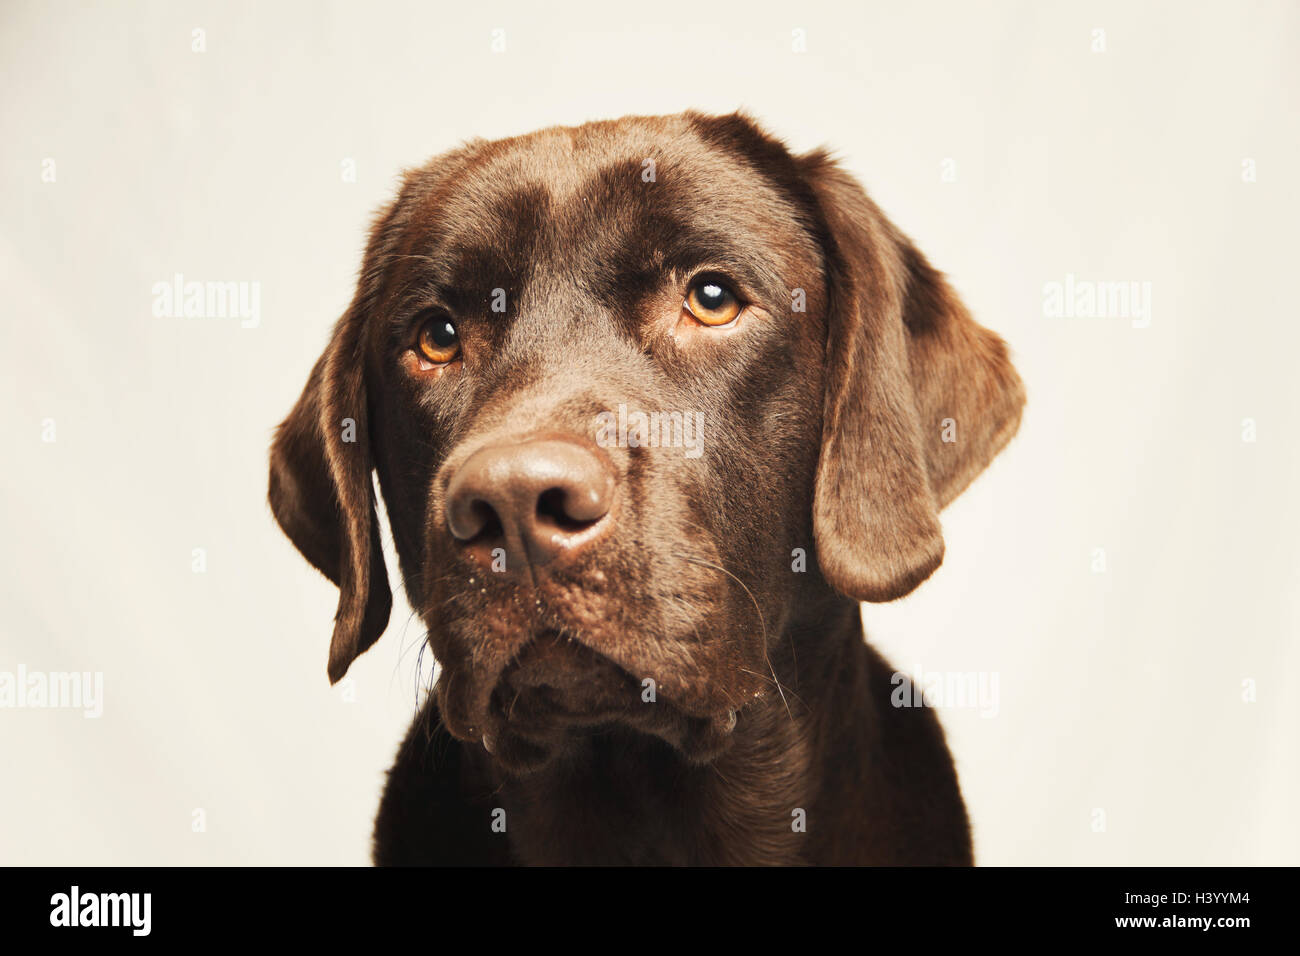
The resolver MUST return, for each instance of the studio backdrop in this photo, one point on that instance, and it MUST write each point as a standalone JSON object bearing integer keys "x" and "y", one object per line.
{"x": 1111, "y": 642}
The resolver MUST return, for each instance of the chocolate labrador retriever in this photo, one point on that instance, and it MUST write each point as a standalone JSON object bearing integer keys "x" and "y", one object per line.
{"x": 653, "y": 404}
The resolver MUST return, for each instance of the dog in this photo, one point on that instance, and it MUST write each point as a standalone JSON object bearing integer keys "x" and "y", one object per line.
{"x": 646, "y": 656}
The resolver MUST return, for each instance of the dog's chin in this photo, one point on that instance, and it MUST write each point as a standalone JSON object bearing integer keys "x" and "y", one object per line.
{"x": 557, "y": 695}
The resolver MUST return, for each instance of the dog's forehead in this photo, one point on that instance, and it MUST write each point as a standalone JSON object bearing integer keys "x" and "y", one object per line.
{"x": 626, "y": 162}
{"x": 615, "y": 196}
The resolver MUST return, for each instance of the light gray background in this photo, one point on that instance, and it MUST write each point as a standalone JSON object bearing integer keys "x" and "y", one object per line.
{"x": 1119, "y": 691}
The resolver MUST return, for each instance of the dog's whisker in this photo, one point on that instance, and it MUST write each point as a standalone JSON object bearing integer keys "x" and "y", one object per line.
{"x": 771, "y": 680}
{"x": 404, "y": 647}
{"x": 776, "y": 683}
{"x": 717, "y": 567}
{"x": 761, "y": 623}
{"x": 720, "y": 774}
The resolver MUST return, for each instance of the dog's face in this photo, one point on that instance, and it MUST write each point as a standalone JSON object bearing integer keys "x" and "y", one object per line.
{"x": 631, "y": 390}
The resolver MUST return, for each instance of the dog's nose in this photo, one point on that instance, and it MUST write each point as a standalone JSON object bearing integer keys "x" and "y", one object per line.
{"x": 534, "y": 500}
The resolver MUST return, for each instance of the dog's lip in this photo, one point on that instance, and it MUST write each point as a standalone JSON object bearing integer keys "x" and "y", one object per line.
{"x": 560, "y": 677}
{"x": 556, "y": 685}
{"x": 555, "y": 678}
{"x": 534, "y": 721}
{"x": 557, "y": 690}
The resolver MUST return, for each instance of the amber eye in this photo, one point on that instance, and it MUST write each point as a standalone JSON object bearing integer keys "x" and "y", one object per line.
{"x": 712, "y": 302}
{"x": 439, "y": 342}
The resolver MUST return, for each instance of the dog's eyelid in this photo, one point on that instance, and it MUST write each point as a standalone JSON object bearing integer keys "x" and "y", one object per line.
{"x": 425, "y": 312}
{"x": 763, "y": 291}
{"x": 406, "y": 322}
{"x": 722, "y": 277}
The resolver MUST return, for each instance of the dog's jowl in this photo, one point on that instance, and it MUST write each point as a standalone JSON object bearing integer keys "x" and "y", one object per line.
{"x": 633, "y": 667}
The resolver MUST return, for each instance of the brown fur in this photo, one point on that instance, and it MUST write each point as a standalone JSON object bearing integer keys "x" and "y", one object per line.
{"x": 823, "y": 432}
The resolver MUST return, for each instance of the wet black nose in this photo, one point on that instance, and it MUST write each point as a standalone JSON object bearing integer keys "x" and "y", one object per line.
{"x": 529, "y": 503}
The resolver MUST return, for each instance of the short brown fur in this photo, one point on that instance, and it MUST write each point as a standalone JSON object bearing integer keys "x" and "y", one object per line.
{"x": 825, "y": 433}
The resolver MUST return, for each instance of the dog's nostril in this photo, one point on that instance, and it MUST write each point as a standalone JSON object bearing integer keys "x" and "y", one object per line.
{"x": 473, "y": 519}
{"x": 487, "y": 520}
{"x": 538, "y": 499}
{"x": 554, "y": 506}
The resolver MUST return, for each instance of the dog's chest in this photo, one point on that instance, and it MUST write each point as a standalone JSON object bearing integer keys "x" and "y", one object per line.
{"x": 640, "y": 805}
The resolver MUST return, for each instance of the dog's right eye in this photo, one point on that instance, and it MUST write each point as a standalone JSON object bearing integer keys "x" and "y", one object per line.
{"x": 712, "y": 302}
{"x": 438, "y": 343}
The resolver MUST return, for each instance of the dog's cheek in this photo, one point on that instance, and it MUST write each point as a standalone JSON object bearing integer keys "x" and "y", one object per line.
{"x": 460, "y": 692}
{"x": 453, "y": 698}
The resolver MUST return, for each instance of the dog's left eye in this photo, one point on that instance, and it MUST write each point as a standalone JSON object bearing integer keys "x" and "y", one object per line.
{"x": 712, "y": 302}
{"x": 439, "y": 343}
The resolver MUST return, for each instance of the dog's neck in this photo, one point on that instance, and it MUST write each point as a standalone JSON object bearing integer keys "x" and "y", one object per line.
{"x": 637, "y": 796}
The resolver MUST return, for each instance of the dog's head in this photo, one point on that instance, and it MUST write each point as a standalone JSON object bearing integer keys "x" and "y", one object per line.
{"x": 622, "y": 384}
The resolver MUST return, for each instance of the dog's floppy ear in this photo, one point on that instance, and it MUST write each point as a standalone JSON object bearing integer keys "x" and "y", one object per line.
{"x": 321, "y": 491}
{"x": 918, "y": 399}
